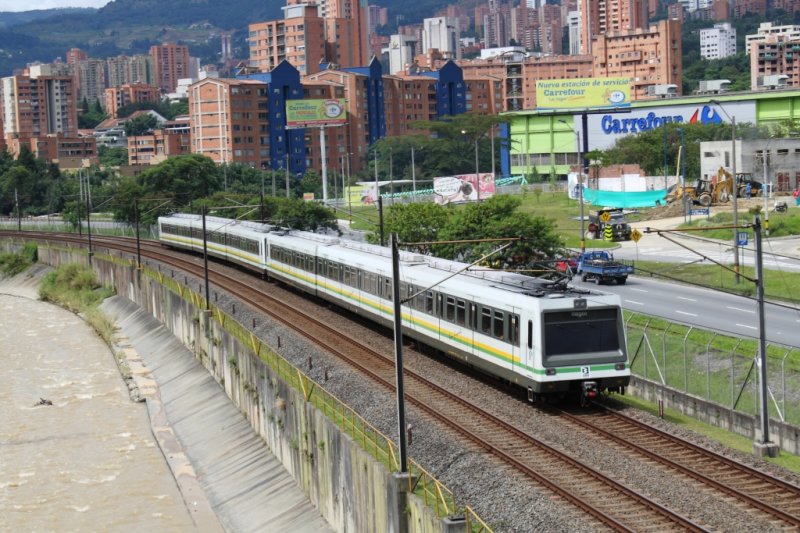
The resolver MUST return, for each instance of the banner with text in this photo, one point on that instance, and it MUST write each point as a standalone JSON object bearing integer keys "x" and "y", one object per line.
{"x": 462, "y": 188}
{"x": 309, "y": 113}
{"x": 583, "y": 93}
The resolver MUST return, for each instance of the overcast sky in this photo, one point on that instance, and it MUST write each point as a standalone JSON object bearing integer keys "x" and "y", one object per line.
{"x": 16, "y": 5}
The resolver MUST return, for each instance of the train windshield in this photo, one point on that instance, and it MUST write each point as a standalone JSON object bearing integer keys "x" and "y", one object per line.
{"x": 582, "y": 336}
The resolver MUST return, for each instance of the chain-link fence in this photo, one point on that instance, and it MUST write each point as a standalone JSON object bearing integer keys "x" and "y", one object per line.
{"x": 716, "y": 367}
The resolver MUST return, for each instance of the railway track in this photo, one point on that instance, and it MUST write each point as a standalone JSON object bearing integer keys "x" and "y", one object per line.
{"x": 751, "y": 487}
{"x": 605, "y": 499}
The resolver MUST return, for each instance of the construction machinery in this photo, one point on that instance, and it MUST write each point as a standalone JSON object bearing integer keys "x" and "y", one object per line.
{"x": 718, "y": 190}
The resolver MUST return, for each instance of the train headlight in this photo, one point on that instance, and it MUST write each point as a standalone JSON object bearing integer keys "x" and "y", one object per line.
{"x": 550, "y": 372}
{"x": 619, "y": 366}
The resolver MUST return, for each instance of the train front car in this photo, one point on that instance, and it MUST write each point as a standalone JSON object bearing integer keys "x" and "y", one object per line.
{"x": 583, "y": 349}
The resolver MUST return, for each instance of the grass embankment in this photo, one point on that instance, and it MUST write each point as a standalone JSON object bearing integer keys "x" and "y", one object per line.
{"x": 778, "y": 285}
{"x": 731, "y": 440}
{"x": 13, "y": 264}
{"x": 780, "y": 224}
{"x": 75, "y": 287}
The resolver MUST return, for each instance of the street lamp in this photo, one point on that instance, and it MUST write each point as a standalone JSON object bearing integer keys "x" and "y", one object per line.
{"x": 735, "y": 191}
{"x": 580, "y": 182}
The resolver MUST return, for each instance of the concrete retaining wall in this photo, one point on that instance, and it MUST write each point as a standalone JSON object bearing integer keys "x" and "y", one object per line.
{"x": 785, "y": 435}
{"x": 352, "y": 490}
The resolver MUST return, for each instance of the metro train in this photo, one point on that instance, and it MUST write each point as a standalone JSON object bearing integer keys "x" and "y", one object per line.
{"x": 549, "y": 338}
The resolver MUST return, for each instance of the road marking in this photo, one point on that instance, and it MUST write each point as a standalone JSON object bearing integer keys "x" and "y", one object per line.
{"x": 687, "y": 299}
{"x": 746, "y": 326}
{"x": 639, "y": 290}
{"x": 742, "y": 310}
{"x": 640, "y": 303}
{"x": 685, "y": 313}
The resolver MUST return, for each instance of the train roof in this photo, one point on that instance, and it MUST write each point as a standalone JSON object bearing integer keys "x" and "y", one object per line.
{"x": 431, "y": 268}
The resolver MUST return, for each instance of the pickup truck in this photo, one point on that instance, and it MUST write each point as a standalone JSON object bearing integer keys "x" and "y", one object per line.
{"x": 601, "y": 267}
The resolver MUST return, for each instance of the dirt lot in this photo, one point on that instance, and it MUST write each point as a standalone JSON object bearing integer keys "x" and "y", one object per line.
{"x": 744, "y": 205}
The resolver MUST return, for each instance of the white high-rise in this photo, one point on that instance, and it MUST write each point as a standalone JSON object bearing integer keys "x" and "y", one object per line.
{"x": 718, "y": 42}
{"x": 574, "y": 24}
{"x": 443, "y": 34}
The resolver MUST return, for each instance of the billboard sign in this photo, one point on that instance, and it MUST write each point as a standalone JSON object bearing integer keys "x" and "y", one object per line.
{"x": 462, "y": 188}
{"x": 606, "y": 128}
{"x": 583, "y": 93}
{"x": 309, "y": 113}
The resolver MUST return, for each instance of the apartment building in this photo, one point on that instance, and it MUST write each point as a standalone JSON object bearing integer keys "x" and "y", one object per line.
{"x": 769, "y": 31}
{"x": 170, "y": 63}
{"x": 243, "y": 120}
{"x": 130, "y": 69}
{"x": 38, "y": 103}
{"x": 154, "y": 148}
{"x": 742, "y": 8}
{"x": 775, "y": 60}
{"x": 600, "y": 17}
{"x": 649, "y": 56}
{"x": 443, "y": 34}
{"x": 90, "y": 79}
{"x": 129, "y": 93}
{"x": 718, "y": 42}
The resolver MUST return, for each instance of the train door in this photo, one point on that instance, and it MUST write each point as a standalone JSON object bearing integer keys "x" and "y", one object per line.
{"x": 513, "y": 339}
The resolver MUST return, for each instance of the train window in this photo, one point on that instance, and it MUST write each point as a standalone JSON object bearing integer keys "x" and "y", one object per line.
{"x": 429, "y": 303}
{"x": 486, "y": 320}
{"x": 530, "y": 333}
{"x": 333, "y": 270}
{"x": 461, "y": 312}
{"x": 473, "y": 316}
{"x": 514, "y": 330}
{"x": 321, "y": 266}
{"x": 450, "y": 309}
{"x": 499, "y": 323}
{"x": 387, "y": 288}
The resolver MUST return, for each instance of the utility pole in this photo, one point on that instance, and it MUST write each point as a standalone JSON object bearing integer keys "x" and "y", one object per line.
{"x": 287, "y": 175}
{"x": 19, "y": 216}
{"x": 735, "y": 202}
{"x": 398, "y": 353}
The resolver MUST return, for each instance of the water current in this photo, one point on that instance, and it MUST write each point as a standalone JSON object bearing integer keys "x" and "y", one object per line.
{"x": 88, "y": 462}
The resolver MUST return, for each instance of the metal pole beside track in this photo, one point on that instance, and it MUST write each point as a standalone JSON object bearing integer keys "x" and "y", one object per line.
{"x": 205, "y": 262}
{"x": 138, "y": 240}
{"x": 89, "y": 221}
{"x": 398, "y": 353}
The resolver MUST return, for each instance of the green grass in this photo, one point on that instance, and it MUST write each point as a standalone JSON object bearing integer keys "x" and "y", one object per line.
{"x": 778, "y": 285}
{"x": 731, "y": 440}
{"x": 75, "y": 287}
{"x": 780, "y": 224}
{"x": 13, "y": 264}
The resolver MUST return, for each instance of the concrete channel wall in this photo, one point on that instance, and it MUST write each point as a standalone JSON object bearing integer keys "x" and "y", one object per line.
{"x": 785, "y": 435}
{"x": 352, "y": 490}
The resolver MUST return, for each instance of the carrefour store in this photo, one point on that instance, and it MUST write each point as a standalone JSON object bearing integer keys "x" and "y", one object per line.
{"x": 547, "y": 142}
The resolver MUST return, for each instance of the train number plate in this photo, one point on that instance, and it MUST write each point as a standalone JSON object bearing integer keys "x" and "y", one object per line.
{"x": 585, "y": 371}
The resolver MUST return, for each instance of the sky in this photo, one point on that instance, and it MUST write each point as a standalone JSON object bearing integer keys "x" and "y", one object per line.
{"x": 16, "y": 5}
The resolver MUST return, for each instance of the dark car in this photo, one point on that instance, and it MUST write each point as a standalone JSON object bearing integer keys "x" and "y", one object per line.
{"x": 620, "y": 229}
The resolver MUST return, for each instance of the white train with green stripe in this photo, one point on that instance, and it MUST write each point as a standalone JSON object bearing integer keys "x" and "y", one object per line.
{"x": 548, "y": 338}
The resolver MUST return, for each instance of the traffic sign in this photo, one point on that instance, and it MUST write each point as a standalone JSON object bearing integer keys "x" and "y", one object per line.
{"x": 636, "y": 235}
{"x": 605, "y": 216}
{"x": 741, "y": 238}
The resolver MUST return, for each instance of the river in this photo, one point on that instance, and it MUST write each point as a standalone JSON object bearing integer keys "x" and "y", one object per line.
{"x": 89, "y": 461}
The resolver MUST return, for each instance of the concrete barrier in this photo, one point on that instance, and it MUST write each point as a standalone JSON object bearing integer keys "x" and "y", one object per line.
{"x": 352, "y": 490}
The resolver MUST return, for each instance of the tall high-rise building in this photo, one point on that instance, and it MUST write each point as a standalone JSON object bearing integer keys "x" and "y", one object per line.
{"x": 170, "y": 63}
{"x": 74, "y": 55}
{"x": 130, "y": 69}
{"x": 38, "y": 103}
{"x": 90, "y": 78}
{"x": 574, "y": 24}
{"x": 718, "y": 42}
{"x": 129, "y": 93}
{"x": 608, "y": 16}
{"x": 443, "y": 34}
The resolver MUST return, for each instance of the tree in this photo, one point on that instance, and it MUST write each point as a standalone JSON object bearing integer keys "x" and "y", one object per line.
{"x": 184, "y": 178}
{"x": 496, "y": 218}
{"x": 112, "y": 157}
{"x": 140, "y": 125}
{"x": 417, "y": 222}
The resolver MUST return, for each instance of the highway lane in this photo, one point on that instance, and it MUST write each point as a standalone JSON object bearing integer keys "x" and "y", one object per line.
{"x": 706, "y": 308}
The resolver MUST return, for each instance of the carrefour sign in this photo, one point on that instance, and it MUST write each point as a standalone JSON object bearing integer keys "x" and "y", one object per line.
{"x": 605, "y": 129}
